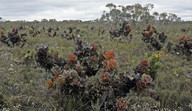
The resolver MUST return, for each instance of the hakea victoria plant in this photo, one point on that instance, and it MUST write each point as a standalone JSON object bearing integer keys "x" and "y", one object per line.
{"x": 183, "y": 47}
{"x": 13, "y": 38}
{"x": 91, "y": 75}
{"x": 123, "y": 33}
{"x": 148, "y": 69}
{"x": 122, "y": 105}
{"x": 154, "y": 41}
{"x": 142, "y": 84}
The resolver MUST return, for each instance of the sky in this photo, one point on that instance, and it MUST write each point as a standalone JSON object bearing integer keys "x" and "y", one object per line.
{"x": 30, "y": 10}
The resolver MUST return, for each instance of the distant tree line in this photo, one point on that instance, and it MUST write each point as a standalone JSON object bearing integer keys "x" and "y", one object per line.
{"x": 135, "y": 13}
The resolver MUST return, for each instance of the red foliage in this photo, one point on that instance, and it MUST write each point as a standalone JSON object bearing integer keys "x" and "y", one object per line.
{"x": 189, "y": 43}
{"x": 142, "y": 84}
{"x": 56, "y": 76}
{"x": 144, "y": 63}
{"x": 60, "y": 81}
{"x": 105, "y": 77}
{"x": 94, "y": 47}
{"x": 128, "y": 30}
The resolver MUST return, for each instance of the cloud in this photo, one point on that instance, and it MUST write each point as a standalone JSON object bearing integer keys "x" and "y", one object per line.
{"x": 81, "y": 9}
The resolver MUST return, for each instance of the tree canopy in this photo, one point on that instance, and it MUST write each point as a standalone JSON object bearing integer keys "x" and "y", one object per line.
{"x": 135, "y": 13}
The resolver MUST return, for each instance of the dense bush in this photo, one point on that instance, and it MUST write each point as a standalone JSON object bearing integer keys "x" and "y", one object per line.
{"x": 122, "y": 34}
{"x": 154, "y": 42}
{"x": 91, "y": 74}
{"x": 182, "y": 47}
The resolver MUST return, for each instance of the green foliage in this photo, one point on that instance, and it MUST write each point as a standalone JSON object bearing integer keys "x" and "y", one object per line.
{"x": 155, "y": 64}
{"x": 52, "y": 49}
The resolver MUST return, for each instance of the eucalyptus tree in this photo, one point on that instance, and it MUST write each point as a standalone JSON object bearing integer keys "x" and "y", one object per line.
{"x": 156, "y": 15}
{"x": 173, "y": 17}
{"x": 111, "y": 6}
{"x": 114, "y": 15}
{"x": 163, "y": 18}
{"x": 146, "y": 17}
{"x": 44, "y": 20}
{"x": 136, "y": 14}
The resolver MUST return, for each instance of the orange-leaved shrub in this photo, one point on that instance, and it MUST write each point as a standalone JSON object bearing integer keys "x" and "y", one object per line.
{"x": 92, "y": 75}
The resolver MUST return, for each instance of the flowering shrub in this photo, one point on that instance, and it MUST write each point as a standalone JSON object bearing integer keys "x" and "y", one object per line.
{"x": 123, "y": 33}
{"x": 148, "y": 32}
{"x": 109, "y": 54}
{"x": 153, "y": 41}
{"x": 111, "y": 64}
{"x": 155, "y": 64}
{"x": 91, "y": 74}
{"x": 95, "y": 47}
{"x": 13, "y": 39}
{"x": 106, "y": 78}
{"x": 142, "y": 84}
{"x": 183, "y": 47}
{"x": 148, "y": 70}
{"x": 142, "y": 67}
{"x": 50, "y": 84}
{"x": 72, "y": 58}
{"x": 121, "y": 105}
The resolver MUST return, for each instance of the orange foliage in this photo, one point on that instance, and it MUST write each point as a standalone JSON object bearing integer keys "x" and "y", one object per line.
{"x": 148, "y": 27}
{"x": 146, "y": 33}
{"x": 128, "y": 26}
{"x": 121, "y": 105}
{"x": 182, "y": 38}
{"x": 152, "y": 30}
{"x": 109, "y": 54}
{"x": 72, "y": 58}
{"x": 111, "y": 64}
{"x": 2, "y": 32}
{"x": 56, "y": 75}
{"x": 50, "y": 84}
{"x": 23, "y": 38}
{"x": 94, "y": 58}
{"x": 188, "y": 38}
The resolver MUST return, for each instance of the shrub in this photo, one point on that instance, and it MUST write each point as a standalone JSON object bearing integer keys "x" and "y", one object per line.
{"x": 183, "y": 47}
{"x": 91, "y": 75}
{"x": 153, "y": 42}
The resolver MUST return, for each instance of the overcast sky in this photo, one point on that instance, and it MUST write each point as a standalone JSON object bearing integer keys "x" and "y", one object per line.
{"x": 82, "y": 9}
